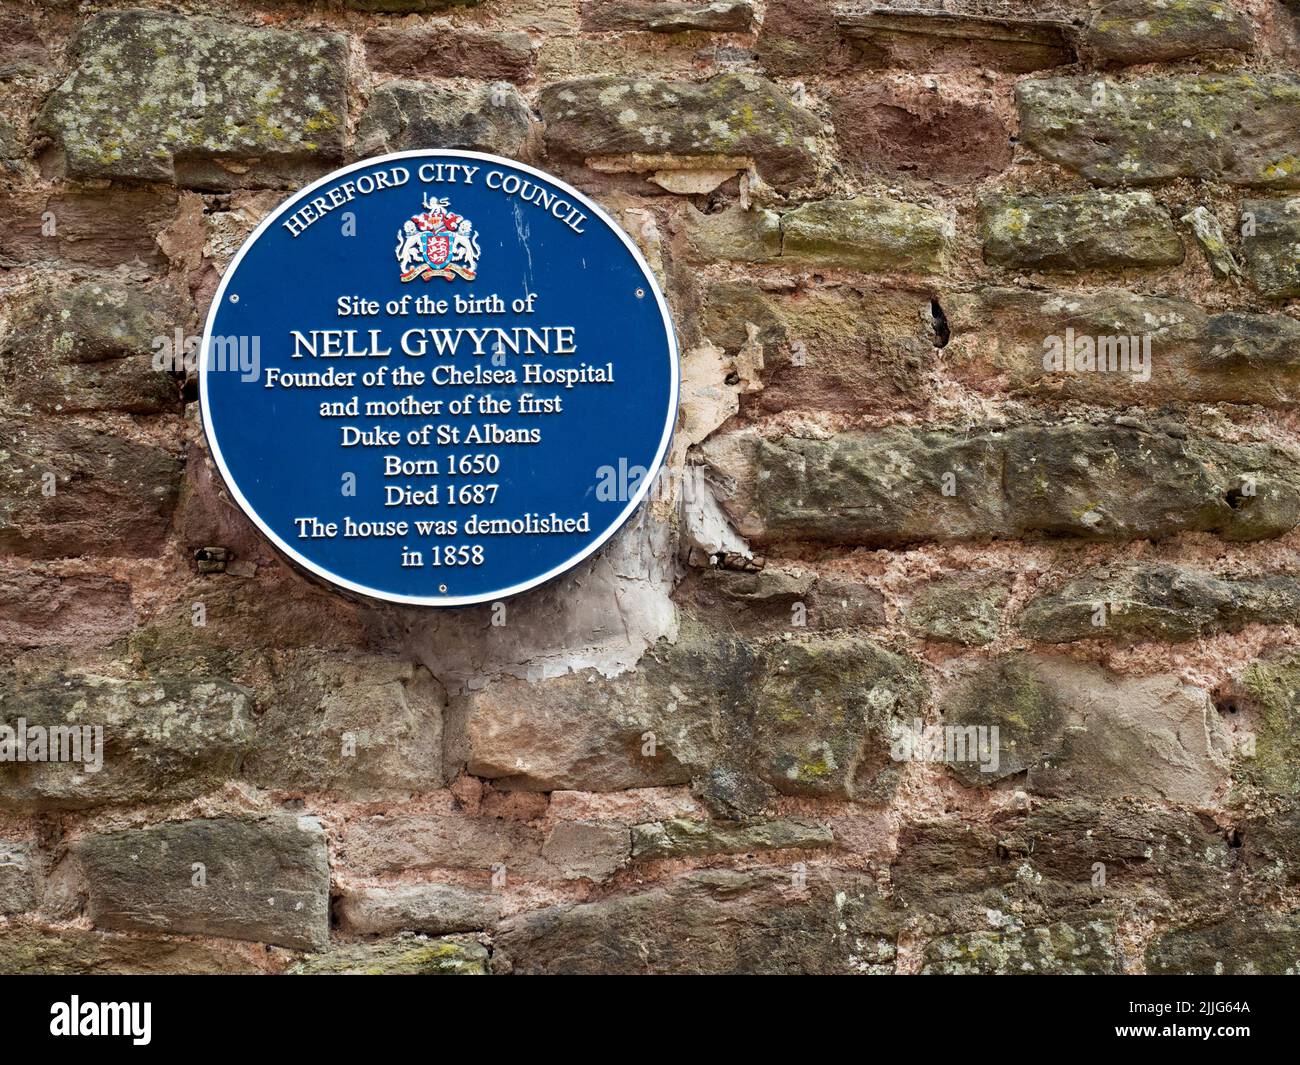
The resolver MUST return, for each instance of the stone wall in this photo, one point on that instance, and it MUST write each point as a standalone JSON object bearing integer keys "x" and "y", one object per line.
{"x": 754, "y": 733}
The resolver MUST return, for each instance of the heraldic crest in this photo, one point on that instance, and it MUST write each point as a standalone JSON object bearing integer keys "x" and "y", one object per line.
{"x": 437, "y": 243}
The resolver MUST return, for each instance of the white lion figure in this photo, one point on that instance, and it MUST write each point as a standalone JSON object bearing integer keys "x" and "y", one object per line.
{"x": 464, "y": 246}
{"x": 410, "y": 251}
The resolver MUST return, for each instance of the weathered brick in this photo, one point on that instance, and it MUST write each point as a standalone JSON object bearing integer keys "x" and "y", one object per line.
{"x": 668, "y": 16}
{"x": 846, "y": 604}
{"x": 499, "y": 734}
{"x": 1147, "y": 852}
{"x": 1158, "y": 602}
{"x": 408, "y": 114}
{"x": 1269, "y": 691}
{"x": 165, "y": 98}
{"x": 1246, "y": 944}
{"x": 365, "y": 726}
{"x": 709, "y": 922}
{"x": 30, "y": 951}
{"x": 1057, "y": 859}
{"x": 587, "y": 850}
{"x": 1243, "y": 129}
{"x": 645, "y": 125}
{"x": 438, "y": 46}
{"x": 403, "y": 956}
{"x": 820, "y": 716}
{"x": 1088, "y": 231}
{"x": 1207, "y": 230}
{"x": 842, "y": 348}
{"x": 868, "y": 233}
{"x": 764, "y": 602}
{"x": 773, "y": 602}
{"x": 87, "y": 346}
{"x": 802, "y": 716}
{"x": 430, "y": 908}
{"x": 949, "y": 871}
{"x": 752, "y": 236}
{"x": 67, "y": 228}
{"x": 23, "y": 53}
{"x": 937, "y": 39}
{"x": 40, "y": 608}
{"x": 1059, "y": 949}
{"x": 1114, "y": 347}
{"x": 161, "y": 739}
{"x": 402, "y": 7}
{"x": 681, "y": 838}
{"x": 960, "y": 609}
{"x": 274, "y": 608}
{"x": 12, "y": 149}
{"x": 413, "y": 842}
{"x": 1270, "y": 845}
{"x": 263, "y": 879}
{"x": 1099, "y": 482}
{"x": 17, "y": 878}
{"x": 1154, "y": 31}
{"x": 898, "y": 127}
{"x": 1080, "y": 730}
{"x": 801, "y": 35}
{"x": 110, "y": 496}
{"x": 1271, "y": 246}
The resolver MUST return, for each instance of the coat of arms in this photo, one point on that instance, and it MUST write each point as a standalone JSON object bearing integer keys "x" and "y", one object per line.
{"x": 437, "y": 243}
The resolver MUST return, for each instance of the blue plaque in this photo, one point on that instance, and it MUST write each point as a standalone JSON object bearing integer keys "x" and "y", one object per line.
{"x": 438, "y": 377}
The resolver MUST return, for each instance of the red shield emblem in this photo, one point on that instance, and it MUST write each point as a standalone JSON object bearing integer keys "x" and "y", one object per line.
{"x": 437, "y": 249}
{"x": 426, "y": 241}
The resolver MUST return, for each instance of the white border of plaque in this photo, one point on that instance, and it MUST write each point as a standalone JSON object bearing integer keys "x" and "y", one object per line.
{"x": 444, "y": 600}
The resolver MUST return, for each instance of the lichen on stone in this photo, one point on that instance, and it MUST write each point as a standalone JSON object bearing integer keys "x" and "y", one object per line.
{"x": 163, "y": 98}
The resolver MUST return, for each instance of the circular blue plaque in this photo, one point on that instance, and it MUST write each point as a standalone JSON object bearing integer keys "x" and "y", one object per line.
{"x": 438, "y": 377}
